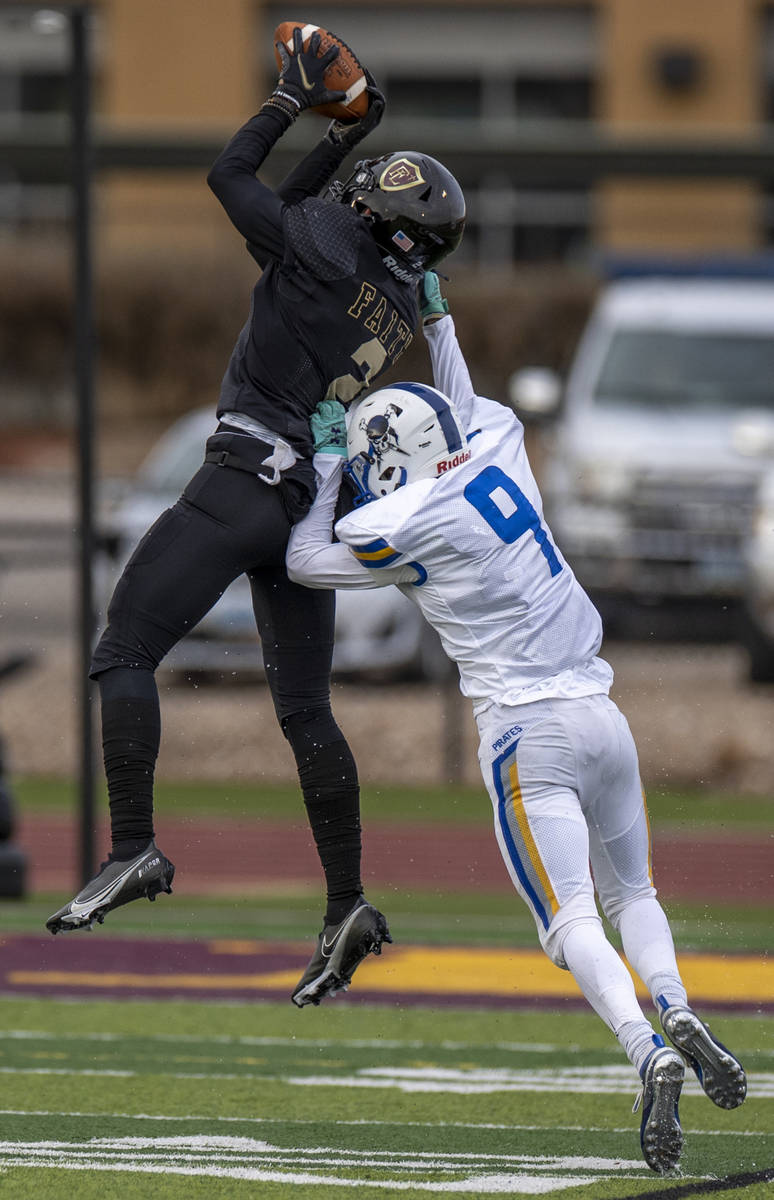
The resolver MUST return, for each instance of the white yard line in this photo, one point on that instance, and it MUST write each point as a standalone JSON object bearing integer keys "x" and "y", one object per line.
{"x": 246, "y": 1158}
{"x": 510, "y": 1185}
{"x": 360, "y": 1121}
{"x": 614, "y": 1080}
{"x": 246, "y": 1040}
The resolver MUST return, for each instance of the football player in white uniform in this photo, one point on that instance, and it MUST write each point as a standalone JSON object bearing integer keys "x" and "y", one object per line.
{"x": 448, "y": 510}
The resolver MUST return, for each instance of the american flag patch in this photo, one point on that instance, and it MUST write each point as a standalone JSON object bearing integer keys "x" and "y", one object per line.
{"x": 402, "y": 240}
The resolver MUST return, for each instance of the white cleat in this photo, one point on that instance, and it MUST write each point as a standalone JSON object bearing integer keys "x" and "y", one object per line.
{"x": 720, "y": 1074}
{"x": 661, "y": 1136}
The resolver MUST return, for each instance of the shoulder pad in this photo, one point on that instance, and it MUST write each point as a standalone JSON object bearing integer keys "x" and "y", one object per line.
{"x": 324, "y": 235}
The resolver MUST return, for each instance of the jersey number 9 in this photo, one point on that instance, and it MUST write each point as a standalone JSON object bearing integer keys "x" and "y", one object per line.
{"x": 480, "y": 493}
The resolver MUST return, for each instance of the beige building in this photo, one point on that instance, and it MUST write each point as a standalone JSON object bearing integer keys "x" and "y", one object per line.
{"x": 481, "y": 86}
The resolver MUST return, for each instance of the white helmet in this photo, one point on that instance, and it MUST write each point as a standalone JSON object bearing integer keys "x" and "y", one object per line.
{"x": 399, "y": 434}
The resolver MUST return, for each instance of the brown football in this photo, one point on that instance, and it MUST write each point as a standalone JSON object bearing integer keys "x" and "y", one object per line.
{"x": 345, "y": 74}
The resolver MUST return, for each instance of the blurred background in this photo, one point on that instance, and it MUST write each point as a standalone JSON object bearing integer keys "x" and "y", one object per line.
{"x": 615, "y": 285}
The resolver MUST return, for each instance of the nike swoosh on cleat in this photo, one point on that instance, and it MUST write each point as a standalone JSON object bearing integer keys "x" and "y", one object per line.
{"x": 327, "y": 948}
{"x": 85, "y": 906}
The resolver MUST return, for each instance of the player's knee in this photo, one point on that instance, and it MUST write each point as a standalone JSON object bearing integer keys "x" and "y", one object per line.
{"x": 613, "y": 913}
{"x": 614, "y": 907}
{"x": 551, "y": 941}
{"x": 114, "y": 652}
{"x": 323, "y": 757}
{"x": 310, "y": 728}
{"x": 134, "y": 637}
{"x": 580, "y": 909}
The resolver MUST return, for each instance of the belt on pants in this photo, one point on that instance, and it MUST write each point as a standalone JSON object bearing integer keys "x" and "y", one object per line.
{"x": 275, "y": 458}
{"x": 230, "y": 458}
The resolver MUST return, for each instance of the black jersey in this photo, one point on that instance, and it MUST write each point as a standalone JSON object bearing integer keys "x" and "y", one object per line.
{"x": 327, "y": 317}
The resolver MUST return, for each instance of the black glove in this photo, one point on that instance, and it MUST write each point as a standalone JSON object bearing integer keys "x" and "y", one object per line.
{"x": 301, "y": 77}
{"x": 348, "y": 134}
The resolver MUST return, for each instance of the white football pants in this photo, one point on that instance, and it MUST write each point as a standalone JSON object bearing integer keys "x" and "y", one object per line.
{"x": 564, "y": 782}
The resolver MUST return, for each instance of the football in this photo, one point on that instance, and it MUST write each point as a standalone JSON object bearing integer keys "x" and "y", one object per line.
{"x": 345, "y": 74}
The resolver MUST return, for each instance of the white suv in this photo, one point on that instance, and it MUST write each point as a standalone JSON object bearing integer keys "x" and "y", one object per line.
{"x": 756, "y": 437}
{"x": 645, "y": 490}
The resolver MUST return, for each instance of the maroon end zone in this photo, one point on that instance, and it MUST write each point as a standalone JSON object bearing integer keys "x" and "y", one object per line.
{"x": 105, "y": 965}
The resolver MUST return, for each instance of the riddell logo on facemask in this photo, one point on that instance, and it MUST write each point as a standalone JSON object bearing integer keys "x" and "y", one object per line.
{"x": 447, "y": 463}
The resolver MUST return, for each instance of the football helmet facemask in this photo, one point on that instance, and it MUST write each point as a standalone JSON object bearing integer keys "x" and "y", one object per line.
{"x": 415, "y": 205}
{"x": 400, "y": 434}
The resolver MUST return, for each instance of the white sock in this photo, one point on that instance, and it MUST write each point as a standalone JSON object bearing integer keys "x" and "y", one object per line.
{"x": 608, "y": 987}
{"x": 636, "y": 1037}
{"x": 648, "y": 945}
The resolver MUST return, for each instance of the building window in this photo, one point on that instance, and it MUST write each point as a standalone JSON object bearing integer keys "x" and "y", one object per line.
{"x": 43, "y": 92}
{"x": 445, "y": 98}
{"x": 508, "y": 221}
{"x": 552, "y": 99}
{"x": 34, "y": 90}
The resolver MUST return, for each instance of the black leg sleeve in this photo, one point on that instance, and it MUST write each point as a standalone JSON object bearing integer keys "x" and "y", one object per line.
{"x": 328, "y": 777}
{"x": 131, "y": 732}
{"x": 296, "y": 628}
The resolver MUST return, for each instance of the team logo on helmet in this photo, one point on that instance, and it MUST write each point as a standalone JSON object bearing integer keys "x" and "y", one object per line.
{"x": 399, "y": 175}
{"x": 381, "y": 436}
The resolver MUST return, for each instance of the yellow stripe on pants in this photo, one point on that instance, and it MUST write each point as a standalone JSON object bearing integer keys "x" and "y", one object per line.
{"x": 520, "y": 813}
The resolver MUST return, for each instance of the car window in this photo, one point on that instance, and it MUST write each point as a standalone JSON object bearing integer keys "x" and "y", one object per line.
{"x": 661, "y": 369}
{"x": 178, "y": 454}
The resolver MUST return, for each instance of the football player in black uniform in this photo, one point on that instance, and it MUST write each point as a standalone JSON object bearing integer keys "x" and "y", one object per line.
{"x": 335, "y": 306}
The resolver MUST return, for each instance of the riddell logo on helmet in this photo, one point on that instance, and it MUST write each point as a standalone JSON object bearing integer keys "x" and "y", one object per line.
{"x": 446, "y": 464}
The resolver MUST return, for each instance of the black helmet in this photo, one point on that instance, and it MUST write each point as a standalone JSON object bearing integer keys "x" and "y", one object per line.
{"x": 416, "y": 206}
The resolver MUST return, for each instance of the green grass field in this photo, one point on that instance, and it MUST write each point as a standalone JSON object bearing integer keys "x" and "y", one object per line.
{"x": 175, "y": 1099}
{"x": 464, "y": 805}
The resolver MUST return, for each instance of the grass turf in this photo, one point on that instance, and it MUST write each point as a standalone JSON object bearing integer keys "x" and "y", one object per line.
{"x": 377, "y": 1101}
{"x": 230, "y": 1100}
{"x": 425, "y": 918}
{"x": 700, "y": 810}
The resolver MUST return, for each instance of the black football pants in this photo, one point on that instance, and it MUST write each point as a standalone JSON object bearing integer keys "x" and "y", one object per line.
{"x": 227, "y": 522}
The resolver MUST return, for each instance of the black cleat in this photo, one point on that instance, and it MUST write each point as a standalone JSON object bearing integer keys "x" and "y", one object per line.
{"x": 720, "y": 1074}
{"x": 340, "y": 949}
{"x": 117, "y": 883}
{"x": 661, "y": 1136}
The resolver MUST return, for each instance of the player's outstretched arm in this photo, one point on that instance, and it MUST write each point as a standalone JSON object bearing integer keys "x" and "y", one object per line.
{"x": 450, "y": 371}
{"x": 315, "y": 171}
{"x": 253, "y": 207}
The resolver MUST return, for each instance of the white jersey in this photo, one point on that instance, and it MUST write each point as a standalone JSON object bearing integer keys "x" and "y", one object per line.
{"x": 472, "y": 550}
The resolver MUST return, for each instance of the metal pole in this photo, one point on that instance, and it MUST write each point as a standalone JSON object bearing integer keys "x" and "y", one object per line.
{"x": 84, "y": 384}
